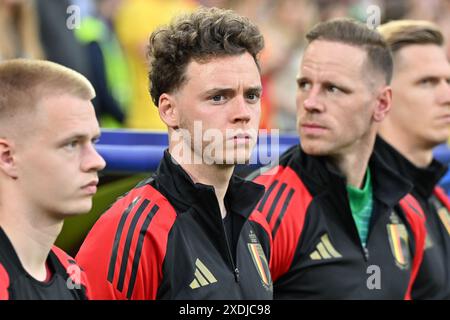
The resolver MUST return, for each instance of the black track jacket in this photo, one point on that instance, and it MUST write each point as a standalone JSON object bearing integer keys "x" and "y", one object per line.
{"x": 433, "y": 279}
{"x": 317, "y": 253}
{"x": 165, "y": 239}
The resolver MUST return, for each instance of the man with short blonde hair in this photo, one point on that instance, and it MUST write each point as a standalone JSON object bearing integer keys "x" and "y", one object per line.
{"x": 419, "y": 121}
{"x": 48, "y": 171}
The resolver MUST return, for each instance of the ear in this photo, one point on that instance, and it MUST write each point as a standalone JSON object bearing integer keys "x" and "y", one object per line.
{"x": 7, "y": 163}
{"x": 168, "y": 110}
{"x": 383, "y": 104}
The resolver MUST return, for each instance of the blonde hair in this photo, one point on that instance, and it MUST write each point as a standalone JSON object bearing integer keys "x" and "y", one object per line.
{"x": 23, "y": 83}
{"x": 401, "y": 33}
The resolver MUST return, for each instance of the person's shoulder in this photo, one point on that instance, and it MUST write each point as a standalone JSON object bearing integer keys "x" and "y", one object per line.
{"x": 412, "y": 209}
{"x": 281, "y": 169}
{"x": 70, "y": 266}
{"x": 258, "y": 220}
{"x": 128, "y": 242}
{"x": 142, "y": 197}
{"x": 63, "y": 257}
{"x": 70, "y": 269}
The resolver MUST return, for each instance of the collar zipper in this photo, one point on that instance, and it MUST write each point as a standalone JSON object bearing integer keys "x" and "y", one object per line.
{"x": 230, "y": 255}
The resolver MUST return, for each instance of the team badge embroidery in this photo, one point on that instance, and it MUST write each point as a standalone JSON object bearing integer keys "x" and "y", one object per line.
{"x": 398, "y": 240}
{"x": 260, "y": 261}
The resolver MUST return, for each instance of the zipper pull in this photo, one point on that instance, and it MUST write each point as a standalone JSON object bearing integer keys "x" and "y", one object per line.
{"x": 236, "y": 274}
{"x": 366, "y": 253}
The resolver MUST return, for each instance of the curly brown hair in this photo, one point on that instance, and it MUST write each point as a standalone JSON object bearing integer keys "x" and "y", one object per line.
{"x": 201, "y": 35}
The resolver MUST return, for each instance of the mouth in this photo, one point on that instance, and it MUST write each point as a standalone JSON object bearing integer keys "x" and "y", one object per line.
{"x": 445, "y": 118}
{"x": 241, "y": 138}
{"x": 312, "y": 128}
{"x": 91, "y": 187}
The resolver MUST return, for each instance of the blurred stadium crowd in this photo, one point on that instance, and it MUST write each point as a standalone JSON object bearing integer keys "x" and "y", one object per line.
{"x": 106, "y": 41}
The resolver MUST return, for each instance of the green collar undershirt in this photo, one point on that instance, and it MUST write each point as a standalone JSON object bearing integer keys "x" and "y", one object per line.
{"x": 361, "y": 205}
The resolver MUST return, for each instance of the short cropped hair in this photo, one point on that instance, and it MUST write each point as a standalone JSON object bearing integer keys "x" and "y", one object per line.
{"x": 354, "y": 33}
{"x": 202, "y": 35}
{"x": 401, "y": 33}
{"x": 23, "y": 83}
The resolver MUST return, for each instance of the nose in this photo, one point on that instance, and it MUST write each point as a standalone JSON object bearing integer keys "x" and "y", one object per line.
{"x": 309, "y": 100}
{"x": 444, "y": 93}
{"x": 241, "y": 111}
{"x": 92, "y": 160}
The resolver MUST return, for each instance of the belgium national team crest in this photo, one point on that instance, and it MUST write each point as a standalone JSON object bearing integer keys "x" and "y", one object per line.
{"x": 260, "y": 261}
{"x": 398, "y": 239}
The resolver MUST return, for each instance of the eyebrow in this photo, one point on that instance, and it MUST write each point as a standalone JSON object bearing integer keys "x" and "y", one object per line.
{"x": 343, "y": 87}
{"x": 257, "y": 89}
{"x": 434, "y": 76}
{"x": 217, "y": 91}
{"x": 81, "y": 136}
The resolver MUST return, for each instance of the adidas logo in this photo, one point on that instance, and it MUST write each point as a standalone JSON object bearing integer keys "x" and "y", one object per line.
{"x": 324, "y": 250}
{"x": 203, "y": 276}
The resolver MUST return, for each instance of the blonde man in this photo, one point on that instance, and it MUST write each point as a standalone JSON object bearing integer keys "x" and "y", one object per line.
{"x": 419, "y": 121}
{"x": 48, "y": 171}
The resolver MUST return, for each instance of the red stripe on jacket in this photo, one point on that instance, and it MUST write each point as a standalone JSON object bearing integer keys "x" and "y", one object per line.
{"x": 290, "y": 227}
{"x": 416, "y": 220}
{"x": 95, "y": 254}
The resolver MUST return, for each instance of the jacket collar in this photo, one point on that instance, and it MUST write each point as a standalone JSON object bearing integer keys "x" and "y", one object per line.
{"x": 320, "y": 175}
{"x": 423, "y": 179}
{"x": 240, "y": 198}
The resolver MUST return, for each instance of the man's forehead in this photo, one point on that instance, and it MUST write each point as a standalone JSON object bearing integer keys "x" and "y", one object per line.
{"x": 67, "y": 113}
{"x": 332, "y": 57}
{"x": 425, "y": 58}
{"x": 223, "y": 69}
{"x": 329, "y": 70}
{"x": 66, "y": 106}
{"x": 334, "y": 51}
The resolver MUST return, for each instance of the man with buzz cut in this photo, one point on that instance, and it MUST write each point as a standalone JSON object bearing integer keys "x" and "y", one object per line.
{"x": 188, "y": 231}
{"x": 48, "y": 172}
{"x": 418, "y": 122}
{"x": 343, "y": 226}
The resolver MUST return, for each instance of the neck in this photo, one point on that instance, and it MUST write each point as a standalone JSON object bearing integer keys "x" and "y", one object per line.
{"x": 217, "y": 176}
{"x": 31, "y": 234}
{"x": 419, "y": 155}
{"x": 353, "y": 165}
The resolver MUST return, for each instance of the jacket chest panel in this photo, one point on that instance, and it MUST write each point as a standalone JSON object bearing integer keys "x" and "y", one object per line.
{"x": 331, "y": 260}
{"x": 195, "y": 267}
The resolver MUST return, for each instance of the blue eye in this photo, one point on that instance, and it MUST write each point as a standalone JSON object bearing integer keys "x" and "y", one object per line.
{"x": 71, "y": 145}
{"x": 218, "y": 98}
{"x": 429, "y": 82}
{"x": 333, "y": 89}
{"x": 304, "y": 85}
{"x": 253, "y": 97}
